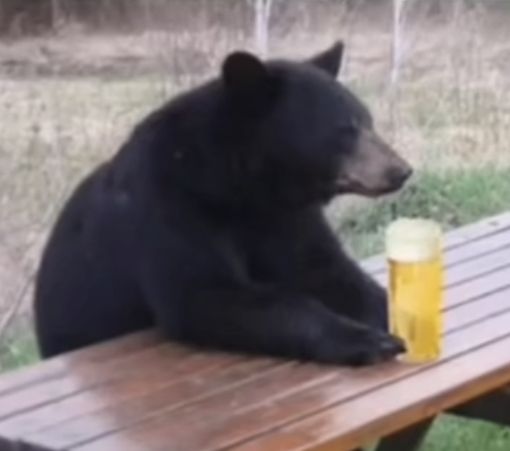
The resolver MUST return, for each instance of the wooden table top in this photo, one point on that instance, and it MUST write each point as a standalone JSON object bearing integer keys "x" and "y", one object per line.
{"x": 138, "y": 393}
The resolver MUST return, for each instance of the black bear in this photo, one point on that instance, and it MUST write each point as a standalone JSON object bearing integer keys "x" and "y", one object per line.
{"x": 208, "y": 223}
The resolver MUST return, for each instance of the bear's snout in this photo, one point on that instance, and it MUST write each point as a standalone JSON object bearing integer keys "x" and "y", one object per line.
{"x": 397, "y": 175}
{"x": 373, "y": 168}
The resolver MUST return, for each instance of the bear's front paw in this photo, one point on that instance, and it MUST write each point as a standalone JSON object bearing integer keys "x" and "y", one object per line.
{"x": 375, "y": 348}
{"x": 358, "y": 345}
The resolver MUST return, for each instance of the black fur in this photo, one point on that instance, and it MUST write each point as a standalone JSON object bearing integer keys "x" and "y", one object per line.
{"x": 208, "y": 223}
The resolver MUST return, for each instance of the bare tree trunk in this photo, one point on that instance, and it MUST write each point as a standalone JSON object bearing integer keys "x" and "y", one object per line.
{"x": 397, "y": 49}
{"x": 32, "y": 16}
{"x": 262, "y": 22}
{"x": 56, "y": 13}
{"x": 397, "y": 56}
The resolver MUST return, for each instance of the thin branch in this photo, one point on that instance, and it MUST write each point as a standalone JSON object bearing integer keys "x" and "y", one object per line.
{"x": 15, "y": 306}
{"x": 397, "y": 54}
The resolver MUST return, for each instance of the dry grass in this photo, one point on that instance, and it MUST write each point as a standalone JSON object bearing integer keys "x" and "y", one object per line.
{"x": 67, "y": 101}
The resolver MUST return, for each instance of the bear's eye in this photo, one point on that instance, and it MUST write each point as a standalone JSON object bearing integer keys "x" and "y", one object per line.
{"x": 349, "y": 126}
{"x": 355, "y": 123}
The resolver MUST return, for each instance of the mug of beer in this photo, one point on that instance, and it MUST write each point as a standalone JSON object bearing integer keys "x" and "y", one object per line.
{"x": 414, "y": 254}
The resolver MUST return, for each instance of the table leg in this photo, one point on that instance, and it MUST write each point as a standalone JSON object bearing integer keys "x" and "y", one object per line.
{"x": 493, "y": 407}
{"x": 408, "y": 439}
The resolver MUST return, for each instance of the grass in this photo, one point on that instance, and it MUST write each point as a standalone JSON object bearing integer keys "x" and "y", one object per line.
{"x": 451, "y": 434}
{"x": 18, "y": 350}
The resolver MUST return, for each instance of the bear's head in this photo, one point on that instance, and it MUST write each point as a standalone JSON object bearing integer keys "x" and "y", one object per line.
{"x": 272, "y": 134}
{"x": 300, "y": 135}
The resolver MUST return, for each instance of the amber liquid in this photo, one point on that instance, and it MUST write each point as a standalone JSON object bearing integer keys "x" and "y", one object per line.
{"x": 416, "y": 301}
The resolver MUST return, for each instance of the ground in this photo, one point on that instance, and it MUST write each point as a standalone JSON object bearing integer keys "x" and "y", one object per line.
{"x": 67, "y": 101}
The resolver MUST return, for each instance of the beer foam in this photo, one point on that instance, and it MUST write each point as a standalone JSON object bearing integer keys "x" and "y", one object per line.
{"x": 413, "y": 240}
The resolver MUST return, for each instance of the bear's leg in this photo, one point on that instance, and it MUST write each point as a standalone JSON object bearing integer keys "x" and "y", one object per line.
{"x": 349, "y": 291}
{"x": 267, "y": 322}
{"x": 307, "y": 256}
{"x": 200, "y": 291}
{"x": 332, "y": 276}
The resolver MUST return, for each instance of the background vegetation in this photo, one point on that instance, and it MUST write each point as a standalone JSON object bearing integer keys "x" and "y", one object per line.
{"x": 75, "y": 76}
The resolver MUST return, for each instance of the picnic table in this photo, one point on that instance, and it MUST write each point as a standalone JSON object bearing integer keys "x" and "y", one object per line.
{"x": 140, "y": 393}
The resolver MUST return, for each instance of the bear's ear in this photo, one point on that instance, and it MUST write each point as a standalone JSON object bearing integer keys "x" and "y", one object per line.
{"x": 243, "y": 72}
{"x": 329, "y": 60}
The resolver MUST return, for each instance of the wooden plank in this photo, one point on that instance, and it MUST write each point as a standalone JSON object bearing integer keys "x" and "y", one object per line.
{"x": 394, "y": 406}
{"x": 468, "y": 313}
{"x": 477, "y": 288}
{"x": 469, "y": 269}
{"x": 135, "y": 374}
{"x": 77, "y": 381}
{"x": 469, "y": 234}
{"x": 476, "y": 249}
{"x": 263, "y": 404}
{"x": 288, "y": 378}
{"x": 60, "y": 366}
{"x": 132, "y": 399}
{"x": 464, "y": 271}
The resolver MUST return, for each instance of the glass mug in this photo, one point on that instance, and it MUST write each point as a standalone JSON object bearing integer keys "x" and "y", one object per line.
{"x": 414, "y": 255}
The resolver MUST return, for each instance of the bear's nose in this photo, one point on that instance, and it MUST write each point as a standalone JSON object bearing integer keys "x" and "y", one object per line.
{"x": 397, "y": 175}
